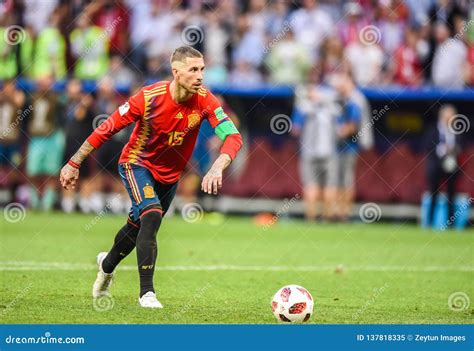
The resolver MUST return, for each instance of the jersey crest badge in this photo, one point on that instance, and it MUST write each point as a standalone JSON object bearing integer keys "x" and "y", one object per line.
{"x": 193, "y": 120}
{"x": 148, "y": 192}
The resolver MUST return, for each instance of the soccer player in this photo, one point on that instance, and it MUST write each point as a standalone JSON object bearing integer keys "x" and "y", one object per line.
{"x": 167, "y": 116}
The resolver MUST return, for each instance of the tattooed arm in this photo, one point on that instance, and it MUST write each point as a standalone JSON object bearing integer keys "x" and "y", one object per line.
{"x": 82, "y": 153}
{"x": 70, "y": 172}
{"x": 128, "y": 113}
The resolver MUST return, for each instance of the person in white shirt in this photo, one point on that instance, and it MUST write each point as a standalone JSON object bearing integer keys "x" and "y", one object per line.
{"x": 365, "y": 60}
{"x": 449, "y": 61}
{"x": 311, "y": 25}
{"x": 314, "y": 123}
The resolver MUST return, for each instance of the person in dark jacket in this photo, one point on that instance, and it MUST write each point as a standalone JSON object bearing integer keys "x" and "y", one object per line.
{"x": 443, "y": 145}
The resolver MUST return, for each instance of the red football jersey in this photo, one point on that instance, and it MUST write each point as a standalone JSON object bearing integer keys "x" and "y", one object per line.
{"x": 165, "y": 133}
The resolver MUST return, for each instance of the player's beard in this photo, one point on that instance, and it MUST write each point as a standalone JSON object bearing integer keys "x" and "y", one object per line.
{"x": 194, "y": 88}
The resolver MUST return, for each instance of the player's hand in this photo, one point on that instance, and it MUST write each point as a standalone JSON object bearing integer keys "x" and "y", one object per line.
{"x": 68, "y": 177}
{"x": 212, "y": 181}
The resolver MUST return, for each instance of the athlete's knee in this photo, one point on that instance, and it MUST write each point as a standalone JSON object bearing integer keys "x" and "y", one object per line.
{"x": 132, "y": 225}
{"x": 150, "y": 218}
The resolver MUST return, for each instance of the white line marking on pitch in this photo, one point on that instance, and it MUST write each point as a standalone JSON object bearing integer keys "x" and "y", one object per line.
{"x": 67, "y": 266}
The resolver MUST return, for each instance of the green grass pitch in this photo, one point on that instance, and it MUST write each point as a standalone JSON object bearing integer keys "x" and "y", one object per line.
{"x": 225, "y": 270}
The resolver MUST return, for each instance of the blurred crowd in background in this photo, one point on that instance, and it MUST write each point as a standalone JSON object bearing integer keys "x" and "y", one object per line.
{"x": 408, "y": 42}
{"x": 123, "y": 44}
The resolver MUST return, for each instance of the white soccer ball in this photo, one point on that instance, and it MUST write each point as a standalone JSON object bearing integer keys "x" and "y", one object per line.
{"x": 292, "y": 304}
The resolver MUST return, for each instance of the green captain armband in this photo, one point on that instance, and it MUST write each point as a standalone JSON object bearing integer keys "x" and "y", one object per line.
{"x": 225, "y": 128}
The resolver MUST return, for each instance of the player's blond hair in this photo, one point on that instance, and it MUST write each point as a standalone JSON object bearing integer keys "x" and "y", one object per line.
{"x": 180, "y": 54}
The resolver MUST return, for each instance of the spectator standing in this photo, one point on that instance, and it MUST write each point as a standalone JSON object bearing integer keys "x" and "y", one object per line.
{"x": 46, "y": 145}
{"x": 352, "y": 23}
{"x": 406, "y": 68}
{"x": 347, "y": 125}
{"x": 245, "y": 74}
{"x": 90, "y": 48}
{"x": 288, "y": 61}
{"x": 311, "y": 25}
{"x": 108, "y": 180}
{"x": 443, "y": 147}
{"x": 365, "y": 60}
{"x": 449, "y": 61}
{"x": 78, "y": 124}
{"x": 113, "y": 17}
{"x": 314, "y": 124}
{"x": 50, "y": 51}
{"x": 12, "y": 114}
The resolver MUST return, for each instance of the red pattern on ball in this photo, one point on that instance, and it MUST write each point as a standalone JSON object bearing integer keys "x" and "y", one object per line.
{"x": 285, "y": 294}
{"x": 297, "y": 308}
{"x": 306, "y": 292}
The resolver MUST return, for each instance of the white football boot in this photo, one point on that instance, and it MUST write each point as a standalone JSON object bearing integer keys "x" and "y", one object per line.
{"x": 103, "y": 281}
{"x": 149, "y": 301}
